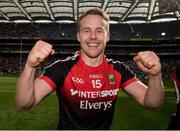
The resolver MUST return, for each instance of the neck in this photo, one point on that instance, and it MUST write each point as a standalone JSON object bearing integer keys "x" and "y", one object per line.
{"x": 93, "y": 62}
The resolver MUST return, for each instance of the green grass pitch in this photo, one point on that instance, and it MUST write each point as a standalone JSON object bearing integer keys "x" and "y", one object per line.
{"x": 128, "y": 114}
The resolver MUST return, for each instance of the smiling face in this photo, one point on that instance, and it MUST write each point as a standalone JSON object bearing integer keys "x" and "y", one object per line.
{"x": 93, "y": 34}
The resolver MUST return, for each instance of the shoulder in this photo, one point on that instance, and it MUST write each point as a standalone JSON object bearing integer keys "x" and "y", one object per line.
{"x": 114, "y": 62}
{"x": 177, "y": 71}
{"x": 68, "y": 61}
{"x": 118, "y": 65}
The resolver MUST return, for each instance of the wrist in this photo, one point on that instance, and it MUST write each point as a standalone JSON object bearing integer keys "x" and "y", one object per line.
{"x": 30, "y": 66}
{"x": 155, "y": 75}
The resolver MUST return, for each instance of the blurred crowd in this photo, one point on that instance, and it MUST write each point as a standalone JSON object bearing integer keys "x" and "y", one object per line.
{"x": 12, "y": 58}
{"x": 14, "y": 64}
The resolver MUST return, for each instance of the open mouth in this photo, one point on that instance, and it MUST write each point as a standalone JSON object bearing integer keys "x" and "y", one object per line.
{"x": 92, "y": 44}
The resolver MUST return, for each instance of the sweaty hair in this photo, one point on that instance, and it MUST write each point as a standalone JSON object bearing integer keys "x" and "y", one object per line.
{"x": 94, "y": 11}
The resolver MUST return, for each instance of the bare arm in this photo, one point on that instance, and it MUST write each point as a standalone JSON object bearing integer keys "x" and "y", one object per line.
{"x": 152, "y": 95}
{"x": 31, "y": 91}
{"x": 155, "y": 94}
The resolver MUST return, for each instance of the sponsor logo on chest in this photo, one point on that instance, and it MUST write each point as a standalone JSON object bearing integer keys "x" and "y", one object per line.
{"x": 77, "y": 80}
{"x": 95, "y": 91}
{"x": 111, "y": 79}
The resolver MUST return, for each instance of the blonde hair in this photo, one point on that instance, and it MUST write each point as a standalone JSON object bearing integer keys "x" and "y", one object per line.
{"x": 94, "y": 11}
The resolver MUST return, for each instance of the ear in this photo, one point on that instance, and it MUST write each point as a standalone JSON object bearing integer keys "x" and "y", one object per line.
{"x": 78, "y": 37}
{"x": 108, "y": 37}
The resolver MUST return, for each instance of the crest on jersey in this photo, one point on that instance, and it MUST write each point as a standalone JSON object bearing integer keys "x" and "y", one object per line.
{"x": 111, "y": 78}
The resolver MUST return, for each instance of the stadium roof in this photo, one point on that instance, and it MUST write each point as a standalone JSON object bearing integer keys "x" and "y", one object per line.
{"x": 122, "y": 11}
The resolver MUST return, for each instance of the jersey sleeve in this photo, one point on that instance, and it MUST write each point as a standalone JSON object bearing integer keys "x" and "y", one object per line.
{"x": 48, "y": 81}
{"x": 52, "y": 75}
{"x": 56, "y": 73}
{"x": 176, "y": 75}
{"x": 178, "y": 72}
{"x": 127, "y": 75}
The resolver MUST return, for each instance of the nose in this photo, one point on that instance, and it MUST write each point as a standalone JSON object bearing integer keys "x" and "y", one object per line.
{"x": 93, "y": 35}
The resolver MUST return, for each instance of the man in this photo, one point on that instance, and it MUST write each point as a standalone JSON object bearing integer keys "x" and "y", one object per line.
{"x": 174, "y": 5}
{"x": 175, "y": 119}
{"x": 169, "y": 6}
{"x": 176, "y": 78}
{"x": 87, "y": 83}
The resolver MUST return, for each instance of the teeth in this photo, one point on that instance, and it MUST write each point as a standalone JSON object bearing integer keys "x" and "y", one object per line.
{"x": 92, "y": 44}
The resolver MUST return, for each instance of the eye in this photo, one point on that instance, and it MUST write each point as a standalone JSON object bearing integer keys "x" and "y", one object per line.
{"x": 99, "y": 31}
{"x": 86, "y": 30}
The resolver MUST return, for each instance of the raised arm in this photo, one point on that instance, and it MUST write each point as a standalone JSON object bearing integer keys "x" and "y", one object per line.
{"x": 31, "y": 91}
{"x": 152, "y": 95}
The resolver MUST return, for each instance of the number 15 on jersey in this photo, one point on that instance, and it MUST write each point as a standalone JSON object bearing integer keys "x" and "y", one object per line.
{"x": 96, "y": 83}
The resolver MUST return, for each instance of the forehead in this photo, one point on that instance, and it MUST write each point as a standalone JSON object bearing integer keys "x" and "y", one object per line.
{"x": 92, "y": 20}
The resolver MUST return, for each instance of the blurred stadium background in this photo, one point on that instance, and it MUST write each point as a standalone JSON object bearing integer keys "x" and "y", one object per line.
{"x": 136, "y": 25}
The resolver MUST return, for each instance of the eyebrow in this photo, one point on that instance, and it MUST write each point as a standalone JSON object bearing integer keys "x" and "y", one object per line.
{"x": 88, "y": 28}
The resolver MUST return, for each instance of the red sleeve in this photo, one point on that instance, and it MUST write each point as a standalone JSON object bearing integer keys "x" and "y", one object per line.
{"x": 176, "y": 79}
{"x": 48, "y": 81}
{"x": 129, "y": 82}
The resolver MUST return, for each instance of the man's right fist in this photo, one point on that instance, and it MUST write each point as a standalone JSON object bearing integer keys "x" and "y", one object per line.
{"x": 39, "y": 53}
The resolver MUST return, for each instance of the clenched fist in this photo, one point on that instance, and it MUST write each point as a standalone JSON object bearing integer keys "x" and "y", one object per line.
{"x": 39, "y": 53}
{"x": 148, "y": 62}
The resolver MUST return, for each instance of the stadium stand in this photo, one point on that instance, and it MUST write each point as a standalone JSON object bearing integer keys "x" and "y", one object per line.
{"x": 138, "y": 25}
{"x": 16, "y": 40}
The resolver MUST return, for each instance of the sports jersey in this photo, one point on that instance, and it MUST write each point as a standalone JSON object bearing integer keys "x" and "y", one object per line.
{"x": 86, "y": 94}
{"x": 176, "y": 77}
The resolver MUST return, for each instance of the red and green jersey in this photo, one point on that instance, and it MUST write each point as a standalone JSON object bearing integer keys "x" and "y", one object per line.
{"x": 87, "y": 95}
{"x": 176, "y": 76}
